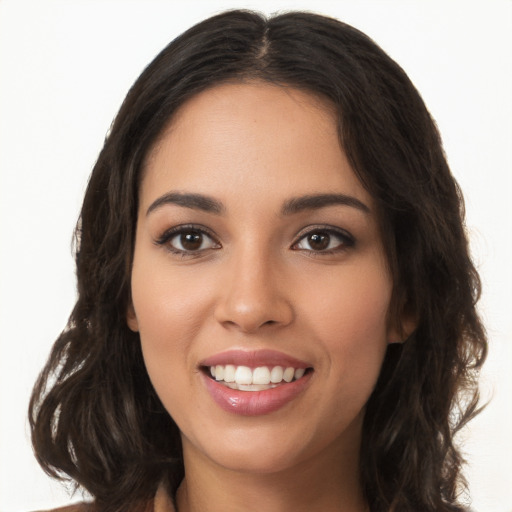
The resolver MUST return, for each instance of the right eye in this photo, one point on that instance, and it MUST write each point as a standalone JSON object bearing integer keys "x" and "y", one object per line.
{"x": 187, "y": 240}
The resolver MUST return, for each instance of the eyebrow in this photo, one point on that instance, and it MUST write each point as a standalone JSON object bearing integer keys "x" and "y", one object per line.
{"x": 187, "y": 200}
{"x": 290, "y": 207}
{"x": 317, "y": 201}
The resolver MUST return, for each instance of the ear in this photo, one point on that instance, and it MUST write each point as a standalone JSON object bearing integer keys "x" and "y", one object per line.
{"x": 131, "y": 318}
{"x": 399, "y": 333}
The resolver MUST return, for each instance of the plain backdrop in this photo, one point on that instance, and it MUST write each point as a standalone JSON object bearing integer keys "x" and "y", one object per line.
{"x": 64, "y": 70}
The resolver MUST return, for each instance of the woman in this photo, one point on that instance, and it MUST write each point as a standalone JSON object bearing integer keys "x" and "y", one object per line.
{"x": 276, "y": 303}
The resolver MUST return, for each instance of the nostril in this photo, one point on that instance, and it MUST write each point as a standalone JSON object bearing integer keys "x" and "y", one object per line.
{"x": 248, "y": 308}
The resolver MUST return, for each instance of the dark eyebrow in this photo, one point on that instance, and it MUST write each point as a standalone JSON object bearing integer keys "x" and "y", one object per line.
{"x": 194, "y": 201}
{"x": 317, "y": 201}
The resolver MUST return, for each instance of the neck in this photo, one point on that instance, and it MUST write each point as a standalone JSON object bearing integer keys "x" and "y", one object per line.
{"x": 329, "y": 482}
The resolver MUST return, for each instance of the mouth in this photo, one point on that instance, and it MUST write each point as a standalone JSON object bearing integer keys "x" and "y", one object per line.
{"x": 261, "y": 378}
{"x": 251, "y": 383}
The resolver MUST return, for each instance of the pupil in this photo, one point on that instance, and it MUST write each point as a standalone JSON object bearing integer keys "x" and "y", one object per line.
{"x": 319, "y": 241}
{"x": 191, "y": 241}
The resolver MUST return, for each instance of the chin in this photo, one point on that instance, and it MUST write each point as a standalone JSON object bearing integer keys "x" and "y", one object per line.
{"x": 255, "y": 460}
{"x": 275, "y": 446}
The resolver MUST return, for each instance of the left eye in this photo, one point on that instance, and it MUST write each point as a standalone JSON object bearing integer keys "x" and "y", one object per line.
{"x": 324, "y": 241}
{"x": 188, "y": 241}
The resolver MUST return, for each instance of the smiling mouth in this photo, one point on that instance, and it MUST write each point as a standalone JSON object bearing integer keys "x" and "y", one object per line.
{"x": 261, "y": 378}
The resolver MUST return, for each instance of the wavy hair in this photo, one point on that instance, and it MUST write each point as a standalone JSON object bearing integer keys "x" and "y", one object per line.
{"x": 94, "y": 415}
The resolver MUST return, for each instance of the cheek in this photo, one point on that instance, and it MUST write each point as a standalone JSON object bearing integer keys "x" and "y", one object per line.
{"x": 349, "y": 319}
{"x": 168, "y": 324}
{"x": 352, "y": 305}
{"x": 167, "y": 304}
{"x": 168, "y": 307}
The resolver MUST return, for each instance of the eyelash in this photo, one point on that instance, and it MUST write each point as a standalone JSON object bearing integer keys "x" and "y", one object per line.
{"x": 346, "y": 240}
{"x": 166, "y": 238}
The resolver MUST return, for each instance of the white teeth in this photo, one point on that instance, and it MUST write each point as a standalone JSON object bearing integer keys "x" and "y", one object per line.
{"x": 219, "y": 372}
{"x": 243, "y": 375}
{"x": 250, "y": 387}
{"x": 276, "y": 375}
{"x": 288, "y": 374}
{"x": 229, "y": 373}
{"x": 257, "y": 379}
{"x": 299, "y": 372}
{"x": 261, "y": 375}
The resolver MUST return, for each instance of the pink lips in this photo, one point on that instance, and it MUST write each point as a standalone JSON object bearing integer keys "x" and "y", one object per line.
{"x": 253, "y": 359}
{"x": 253, "y": 403}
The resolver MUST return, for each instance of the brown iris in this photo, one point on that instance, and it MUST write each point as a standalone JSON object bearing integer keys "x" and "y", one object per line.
{"x": 319, "y": 241}
{"x": 191, "y": 241}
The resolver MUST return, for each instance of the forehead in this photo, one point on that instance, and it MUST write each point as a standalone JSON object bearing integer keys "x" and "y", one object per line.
{"x": 269, "y": 139}
{"x": 256, "y": 97}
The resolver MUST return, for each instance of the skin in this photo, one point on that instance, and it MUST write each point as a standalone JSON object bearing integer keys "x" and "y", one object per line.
{"x": 256, "y": 282}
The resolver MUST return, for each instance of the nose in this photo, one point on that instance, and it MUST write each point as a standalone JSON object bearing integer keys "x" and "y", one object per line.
{"x": 254, "y": 294}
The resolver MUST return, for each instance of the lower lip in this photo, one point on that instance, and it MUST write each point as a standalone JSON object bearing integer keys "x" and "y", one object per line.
{"x": 254, "y": 403}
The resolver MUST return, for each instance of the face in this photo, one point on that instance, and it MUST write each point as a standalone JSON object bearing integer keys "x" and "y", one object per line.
{"x": 259, "y": 283}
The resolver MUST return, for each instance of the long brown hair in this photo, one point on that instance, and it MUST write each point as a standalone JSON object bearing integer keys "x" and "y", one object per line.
{"x": 94, "y": 415}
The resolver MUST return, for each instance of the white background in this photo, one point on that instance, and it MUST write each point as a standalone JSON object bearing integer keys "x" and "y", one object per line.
{"x": 64, "y": 70}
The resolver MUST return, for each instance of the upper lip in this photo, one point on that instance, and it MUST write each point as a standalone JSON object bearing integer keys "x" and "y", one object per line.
{"x": 254, "y": 358}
